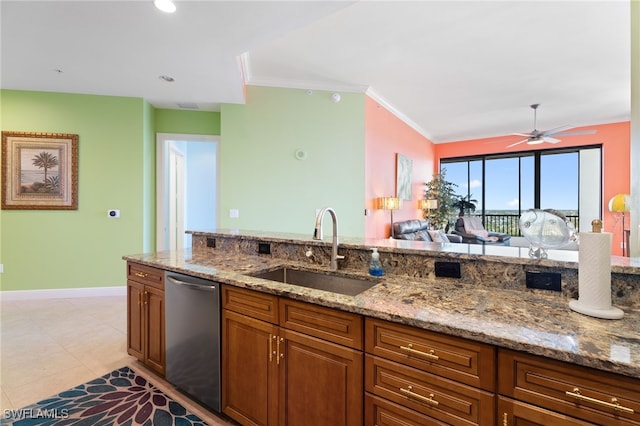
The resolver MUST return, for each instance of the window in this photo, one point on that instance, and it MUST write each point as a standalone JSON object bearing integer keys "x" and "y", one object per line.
{"x": 504, "y": 186}
{"x": 559, "y": 182}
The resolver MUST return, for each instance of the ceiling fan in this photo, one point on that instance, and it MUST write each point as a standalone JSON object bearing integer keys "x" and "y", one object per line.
{"x": 540, "y": 136}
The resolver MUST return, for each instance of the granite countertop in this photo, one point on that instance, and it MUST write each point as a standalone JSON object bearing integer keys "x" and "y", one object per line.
{"x": 522, "y": 320}
{"x": 493, "y": 252}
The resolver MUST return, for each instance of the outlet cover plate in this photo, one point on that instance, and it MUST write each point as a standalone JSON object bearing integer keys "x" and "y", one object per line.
{"x": 544, "y": 280}
{"x": 264, "y": 248}
{"x": 448, "y": 269}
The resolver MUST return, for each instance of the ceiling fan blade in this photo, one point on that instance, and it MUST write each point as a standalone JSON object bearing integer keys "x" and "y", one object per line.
{"x": 517, "y": 143}
{"x": 526, "y": 135}
{"x": 556, "y": 130}
{"x": 578, "y": 132}
{"x": 551, "y": 140}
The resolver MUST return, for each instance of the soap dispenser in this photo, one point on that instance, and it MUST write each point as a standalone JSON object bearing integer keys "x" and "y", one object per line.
{"x": 375, "y": 267}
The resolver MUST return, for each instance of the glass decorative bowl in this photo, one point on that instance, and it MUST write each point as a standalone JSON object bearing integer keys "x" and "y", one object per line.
{"x": 545, "y": 229}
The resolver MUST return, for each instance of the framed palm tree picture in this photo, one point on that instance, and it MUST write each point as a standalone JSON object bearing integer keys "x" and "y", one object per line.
{"x": 39, "y": 171}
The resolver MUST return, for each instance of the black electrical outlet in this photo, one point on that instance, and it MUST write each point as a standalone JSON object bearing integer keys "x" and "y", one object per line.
{"x": 264, "y": 248}
{"x": 211, "y": 242}
{"x": 544, "y": 280}
{"x": 448, "y": 269}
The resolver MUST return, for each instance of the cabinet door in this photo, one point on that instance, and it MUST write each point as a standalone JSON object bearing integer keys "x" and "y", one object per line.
{"x": 320, "y": 382}
{"x": 155, "y": 345}
{"x": 249, "y": 369}
{"x": 135, "y": 319}
{"x": 516, "y": 413}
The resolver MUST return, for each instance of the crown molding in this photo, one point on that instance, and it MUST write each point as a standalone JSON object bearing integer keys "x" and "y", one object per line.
{"x": 393, "y": 110}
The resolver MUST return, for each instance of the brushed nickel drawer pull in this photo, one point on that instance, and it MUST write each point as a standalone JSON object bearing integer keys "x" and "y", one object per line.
{"x": 409, "y": 392}
{"x": 431, "y": 354}
{"x": 613, "y": 404}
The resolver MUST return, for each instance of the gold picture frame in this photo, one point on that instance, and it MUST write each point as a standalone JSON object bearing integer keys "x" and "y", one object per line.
{"x": 39, "y": 171}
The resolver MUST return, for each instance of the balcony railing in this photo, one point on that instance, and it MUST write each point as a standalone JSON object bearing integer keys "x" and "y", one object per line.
{"x": 510, "y": 223}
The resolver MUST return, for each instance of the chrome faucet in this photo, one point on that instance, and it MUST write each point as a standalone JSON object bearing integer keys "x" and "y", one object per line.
{"x": 317, "y": 235}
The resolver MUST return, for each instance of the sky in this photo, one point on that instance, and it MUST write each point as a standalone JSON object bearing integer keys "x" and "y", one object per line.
{"x": 558, "y": 190}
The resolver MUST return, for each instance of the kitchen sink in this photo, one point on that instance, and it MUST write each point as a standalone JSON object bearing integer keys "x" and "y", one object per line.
{"x": 317, "y": 280}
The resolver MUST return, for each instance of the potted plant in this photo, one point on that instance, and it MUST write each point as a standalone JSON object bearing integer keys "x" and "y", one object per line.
{"x": 464, "y": 204}
{"x": 442, "y": 191}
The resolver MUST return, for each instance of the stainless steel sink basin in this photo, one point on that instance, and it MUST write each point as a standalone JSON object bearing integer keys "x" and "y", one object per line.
{"x": 318, "y": 280}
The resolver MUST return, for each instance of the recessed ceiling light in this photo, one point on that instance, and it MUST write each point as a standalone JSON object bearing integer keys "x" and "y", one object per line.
{"x": 167, "y": 78}
{"x": 165, "y": 5}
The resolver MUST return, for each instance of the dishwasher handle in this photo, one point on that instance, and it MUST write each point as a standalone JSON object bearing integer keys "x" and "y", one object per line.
{"x": 192, "y": 286}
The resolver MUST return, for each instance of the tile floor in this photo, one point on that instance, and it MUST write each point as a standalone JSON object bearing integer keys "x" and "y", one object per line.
{"x": 48, "y": 346}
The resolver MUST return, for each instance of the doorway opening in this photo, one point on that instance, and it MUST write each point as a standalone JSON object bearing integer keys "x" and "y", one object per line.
{"x": 186, "y": 187}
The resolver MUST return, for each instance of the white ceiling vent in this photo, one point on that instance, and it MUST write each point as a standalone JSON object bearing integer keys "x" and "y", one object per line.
{"x": 188, "y": 105}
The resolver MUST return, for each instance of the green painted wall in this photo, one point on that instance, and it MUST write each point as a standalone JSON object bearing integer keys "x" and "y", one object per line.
{"x": 188, "y": 122}
{"x": 274, "y": 191}
{"x": 81, "y": 248}
{"x": 259, "y": 175}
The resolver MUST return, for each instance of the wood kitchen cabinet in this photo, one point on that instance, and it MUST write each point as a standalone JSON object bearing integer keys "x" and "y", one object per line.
{"x": 418, "y": 377}
{"x": 145, "y": 315}
{"x": 281, "y": 364}
{"x": 534, "y": 390}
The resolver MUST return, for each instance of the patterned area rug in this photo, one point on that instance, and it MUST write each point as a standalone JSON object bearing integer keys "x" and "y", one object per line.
{"x": 121, "y": 397}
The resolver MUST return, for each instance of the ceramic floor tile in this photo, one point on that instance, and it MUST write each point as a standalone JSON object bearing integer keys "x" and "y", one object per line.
{"x": 5, "y": 403}
{"x": 102, "y": 365}
{"x": 45, "y": 365}
{"x": 48, "y": 385}
{"x": 47, "y": 309}
{"x": 85, "y": 338}
{"x": 47, "y": 346}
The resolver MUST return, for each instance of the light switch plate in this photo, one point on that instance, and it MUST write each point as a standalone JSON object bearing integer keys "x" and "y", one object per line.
{"x": 234, "y": 213}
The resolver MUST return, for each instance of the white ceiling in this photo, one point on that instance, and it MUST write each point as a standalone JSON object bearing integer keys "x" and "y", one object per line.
{"x": 454, "y": 70}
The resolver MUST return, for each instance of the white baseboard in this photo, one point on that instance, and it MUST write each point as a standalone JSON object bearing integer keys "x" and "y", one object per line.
{"x": 62, "y": 293}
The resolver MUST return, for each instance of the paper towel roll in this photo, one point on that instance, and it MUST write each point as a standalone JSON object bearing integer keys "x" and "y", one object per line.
{"x": 594, "y": 276}
{"x": 594, "y": 269}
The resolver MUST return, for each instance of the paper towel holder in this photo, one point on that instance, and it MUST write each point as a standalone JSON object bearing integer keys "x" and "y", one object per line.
{"x": 609, "y": 312}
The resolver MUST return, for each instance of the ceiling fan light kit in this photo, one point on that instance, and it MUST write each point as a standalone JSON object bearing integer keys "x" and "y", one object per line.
{"x": 536, "y": 137}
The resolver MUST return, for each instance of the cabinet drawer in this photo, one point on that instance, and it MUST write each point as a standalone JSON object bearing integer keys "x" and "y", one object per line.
{"x": 380, "y": 412}
{"x": 581, "y": 392}
{"x": 426, "y": 393}
{"x": 515, "y": 413}
{"x": 146, "y": 275}
{"x": 465, "y": 361}
{"x": 343, "y": 328}
{"x": 251, "y": 303}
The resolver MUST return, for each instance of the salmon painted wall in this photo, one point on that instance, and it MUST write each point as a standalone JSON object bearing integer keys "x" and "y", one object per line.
{"x": 615, "y": 140}
{"x": 385, "y": 136}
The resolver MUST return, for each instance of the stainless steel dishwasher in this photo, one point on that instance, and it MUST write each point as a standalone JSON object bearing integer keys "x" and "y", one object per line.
{"x": 192, "y": 321}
